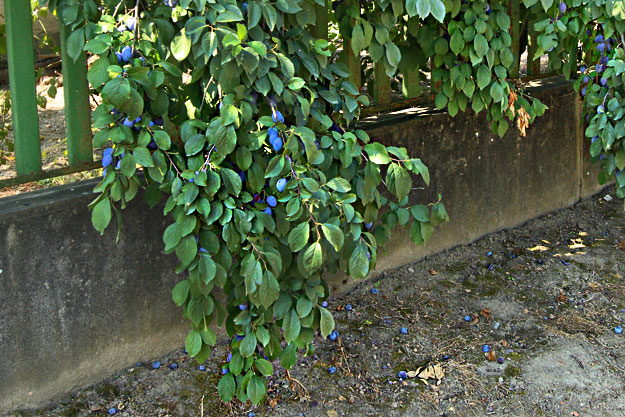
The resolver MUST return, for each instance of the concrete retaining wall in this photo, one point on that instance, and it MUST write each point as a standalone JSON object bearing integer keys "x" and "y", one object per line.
{"x": 77, "y": 308}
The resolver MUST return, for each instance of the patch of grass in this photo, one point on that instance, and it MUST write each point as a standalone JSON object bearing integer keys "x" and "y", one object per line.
{"x": 512, "y": 371}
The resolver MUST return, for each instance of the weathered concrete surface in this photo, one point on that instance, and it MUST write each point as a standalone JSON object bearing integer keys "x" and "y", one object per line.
{"x": 489, "y": 183}
{"x": 71, "y": 318}
{"x": 75, "y": 306}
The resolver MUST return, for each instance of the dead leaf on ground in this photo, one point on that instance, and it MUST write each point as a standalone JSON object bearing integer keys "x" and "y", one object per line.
{"x": 621, "y": 245}
{"x": 274, "y": 401}
{"x": 486, "y": 313}
{"x": 491, "y": 355}
{"x": 332, "y": 413}
{"x": 431, "y": 371}
{"x": 561, "y": 298}
{"x": 433, "y": 272}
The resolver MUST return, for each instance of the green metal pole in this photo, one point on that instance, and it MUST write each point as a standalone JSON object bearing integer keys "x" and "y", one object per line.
{"x": 77, "y": 109}
{"x": 410, "y": 86}
{"x": 514, "y": 11}
{"x": 20, "y": 52}
{"x": 320, "y": 31}
{"x": 382, "y": 85}
{"x": 533, "y": 67}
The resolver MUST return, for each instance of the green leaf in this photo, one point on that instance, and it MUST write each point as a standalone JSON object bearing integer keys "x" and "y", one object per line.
{"x": 117, "y": 92}
{"x": 180, "y": 46}
{"x": 457, "y": 42}
{"x": 256, "y": 389}
{"x": 98, "y": 74}
{"x": 295, "y": 83}
{"x": 194, "y": 144}
{"x": 162, "y": 139}
{"x": 180, "y": 292}
{"x": 339, "y": 184}
{"x": 377, "y": 153}
{"x": 232, "y": 181}
{"x": 75, "y": 43}
{"x": 193, "y": 343}
{"x": 101, "y": 215}
{"x": 398, "y": 181}
{"x": 291, "y": 326}
{"x": 226, "y": 387}
{"x": 288, "y": 357}
{"x": 496, "y": 92}
{"x": 483, "y": 77}
{"x": 303, "y": 307}
{"x": 172, "y": 236}
{"x": 480, "y": 44}
{"x": 207, "y": 268}
{"x": 358, "y": 262}
{"x": 264, "y": 367}
{"x": 313, "y": 257}
{"x": 393, "y": 54}
{"x": 186, "y": 250}
{"x": 298, "y": 237}
{"x": 225, "y": 139}
{"x": 143, "y": 157}
{"x": 262, "y": 334}
{"x": 248, "y": 345}
{"x": 334, "y": 234}
{"x": 327, "y": 322}
{"x": 358, "y": 39}
{"x": 438, "y": 9}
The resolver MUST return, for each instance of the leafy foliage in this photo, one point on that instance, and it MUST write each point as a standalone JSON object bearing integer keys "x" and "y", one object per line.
{"x": 217, "y": 102}
{"x": 600, "y": 26}
{"x": 244, "y": 120}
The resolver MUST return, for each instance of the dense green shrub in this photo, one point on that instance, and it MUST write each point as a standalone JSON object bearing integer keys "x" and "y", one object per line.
{"x": 245, "y": 121}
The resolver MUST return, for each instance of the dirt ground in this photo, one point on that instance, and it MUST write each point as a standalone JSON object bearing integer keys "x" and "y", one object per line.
{"x": 548, "y": 306}
{"x": 53, "y": 143}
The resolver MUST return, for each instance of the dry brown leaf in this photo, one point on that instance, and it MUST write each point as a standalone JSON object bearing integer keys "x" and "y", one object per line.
{"x": 621, "y": 245}
{"x": 491, "y": 355}
{"x": 486, "y": 313}
{"x": 511, "y": 100}
{"x": 274, "y": 401}
{"x": 561, "y": 298}
{"x": 504, "y": 343}
{"x": 433, "y": 272}
{"x": 523, "y": 121}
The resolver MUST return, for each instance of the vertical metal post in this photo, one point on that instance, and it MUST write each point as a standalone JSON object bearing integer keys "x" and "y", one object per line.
{"x": 22, "y": 81}
{"x": 320, "y": 31}
{"x": 572, "y": 60}
{"x": 353, "y": 63}
{"x": 77, "y": 108}
{"x": 533, "y": 67}
{"x": 350, "y": 59}
{"x": 410, "y": 85}
{"x": 514, "y": 11}
{"x": 382, "y": 85}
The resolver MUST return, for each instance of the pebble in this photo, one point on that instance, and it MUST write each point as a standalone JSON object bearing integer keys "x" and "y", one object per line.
{"x": 496, "y": 325}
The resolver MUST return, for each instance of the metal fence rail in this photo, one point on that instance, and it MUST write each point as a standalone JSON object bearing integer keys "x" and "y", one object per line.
{"x": 22, "y": 84}
{"x": 76, "y": 90}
